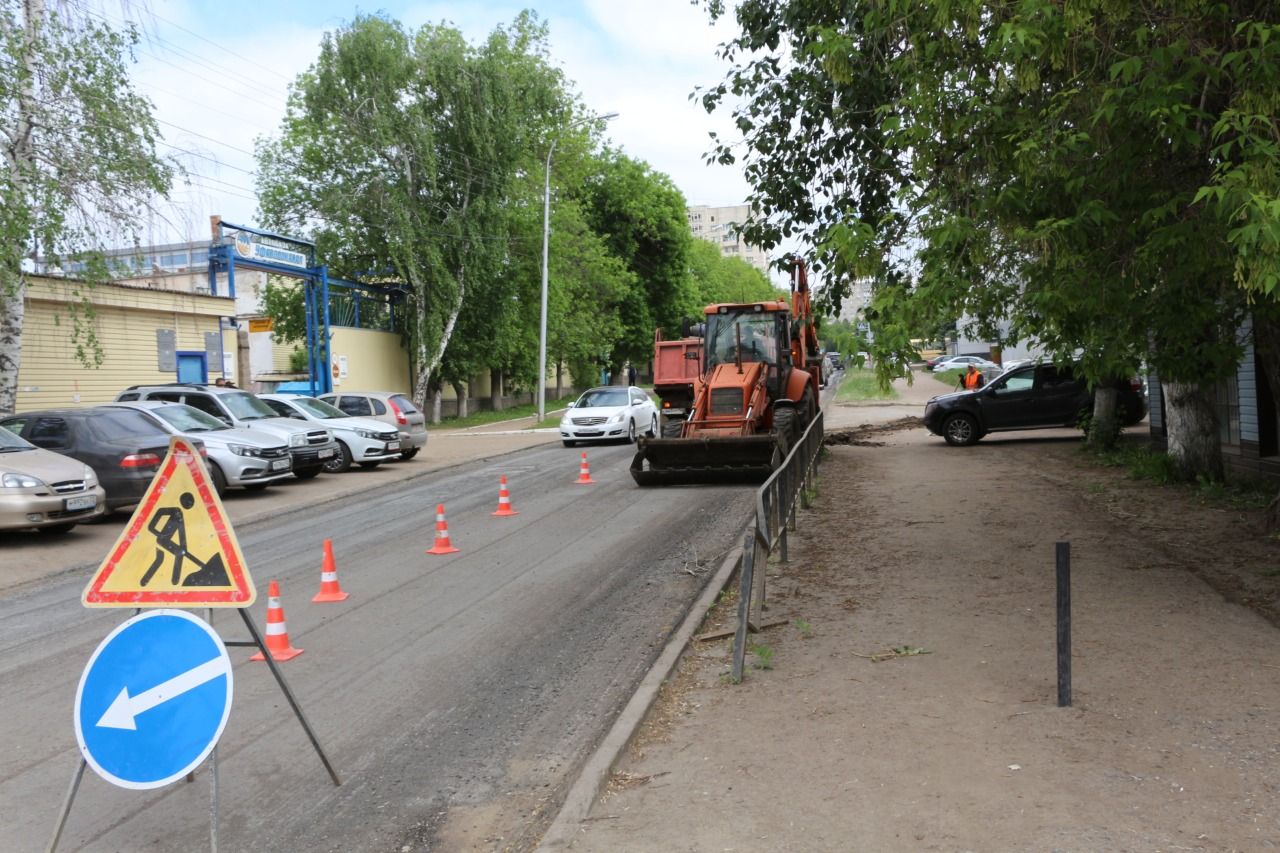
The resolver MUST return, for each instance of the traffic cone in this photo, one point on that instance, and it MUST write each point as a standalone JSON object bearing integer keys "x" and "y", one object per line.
{"x": 443, "y": 545}
{"x": 330, "y": 589}
{"x": 504, "y": 499}
{"x": 584, "y": 473}
{"x": 277, "y": 638}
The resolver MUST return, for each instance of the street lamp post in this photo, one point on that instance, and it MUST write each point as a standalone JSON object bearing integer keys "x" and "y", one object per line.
{"x": 546, "y": 244}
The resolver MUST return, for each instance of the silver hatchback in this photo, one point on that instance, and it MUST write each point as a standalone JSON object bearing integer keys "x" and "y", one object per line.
{"x": 390, "y": 407}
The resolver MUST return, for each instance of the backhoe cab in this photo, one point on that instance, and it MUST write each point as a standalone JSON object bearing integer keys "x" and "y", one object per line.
{"x": 751, "y": 401}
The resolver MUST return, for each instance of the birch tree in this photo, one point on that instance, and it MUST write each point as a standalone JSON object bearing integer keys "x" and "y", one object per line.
{"x": 398, "y": 152}
{"x": 80, "y": 159}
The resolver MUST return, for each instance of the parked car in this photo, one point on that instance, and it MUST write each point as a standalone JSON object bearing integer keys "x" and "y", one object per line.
{"x": 366, "y": 441}
{"x": 123, "y": 448}
{"x": 962, "y": 362}
{"x": 1031, "y": 397}
{"x": 309, "y": 446}
{"x": 45, "y": 490}
{"x": 389, "y": 407}
{"x": 237, "y": 456}
{"x": 609, "y": 413}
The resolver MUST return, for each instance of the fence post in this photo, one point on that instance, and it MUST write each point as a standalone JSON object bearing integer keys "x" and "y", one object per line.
{"x": 1064, "y": 623}
{"x": 745, "y": 580}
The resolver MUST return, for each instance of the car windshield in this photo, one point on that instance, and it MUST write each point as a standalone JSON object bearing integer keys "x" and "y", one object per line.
{"x": 247, "y": 407}
{"x": 318, "y": 408}
{"x": 754, "y": 332}
{"x": 183, "y": 418}
{"x": 600, "y": 397}
{"x": 10, "y": 443}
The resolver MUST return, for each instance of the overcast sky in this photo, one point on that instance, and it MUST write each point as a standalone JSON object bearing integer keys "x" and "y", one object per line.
{"x": 218, "y": 74}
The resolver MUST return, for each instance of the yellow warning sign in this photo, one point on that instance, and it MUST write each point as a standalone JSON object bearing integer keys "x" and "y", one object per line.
{"x": 178, "y": 549}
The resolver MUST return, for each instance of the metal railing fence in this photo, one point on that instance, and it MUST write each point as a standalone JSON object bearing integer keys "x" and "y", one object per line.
{"x": 776, "y": 503}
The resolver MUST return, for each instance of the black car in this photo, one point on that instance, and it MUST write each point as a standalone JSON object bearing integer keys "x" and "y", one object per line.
{"x": 1035, "y": 396}
{"x": 124, "y": 448}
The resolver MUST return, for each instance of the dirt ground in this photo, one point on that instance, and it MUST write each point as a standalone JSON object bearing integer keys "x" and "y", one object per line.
{"x": 954, "y": 741}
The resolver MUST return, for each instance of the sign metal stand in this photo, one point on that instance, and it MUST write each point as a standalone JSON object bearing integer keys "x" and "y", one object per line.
{"x": 178, "y": 527}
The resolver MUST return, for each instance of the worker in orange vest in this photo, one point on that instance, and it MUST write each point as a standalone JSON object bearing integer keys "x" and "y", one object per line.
{"x": 972, "y": 379}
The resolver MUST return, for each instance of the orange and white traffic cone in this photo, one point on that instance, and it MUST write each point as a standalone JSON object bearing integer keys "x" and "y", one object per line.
{"x": 443, "y": 545}
{"x": 330, "y": 589}
{"x": 277, "y": 638}
{"x": 504, "y": 499}
{"x": 584, "y": 473}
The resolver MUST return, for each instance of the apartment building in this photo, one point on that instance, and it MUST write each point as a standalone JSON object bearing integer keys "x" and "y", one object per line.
{"x": 719, "y": 225}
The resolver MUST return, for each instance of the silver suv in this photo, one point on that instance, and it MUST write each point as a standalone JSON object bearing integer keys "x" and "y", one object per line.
{"x": 309, "y": 447}
{"x": 237, "y": 457}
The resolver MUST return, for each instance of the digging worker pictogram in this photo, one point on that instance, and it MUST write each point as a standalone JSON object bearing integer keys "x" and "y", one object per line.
{"x": 169, "y": 526}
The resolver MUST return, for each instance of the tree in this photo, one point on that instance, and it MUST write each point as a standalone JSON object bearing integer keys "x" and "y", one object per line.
{"x": 79, "y": 156}
{"x": 641, "y": 217}
{"x": 1091, "y": 174}
{"x": 399, "y": 151}
{"x": 717, "y": 278}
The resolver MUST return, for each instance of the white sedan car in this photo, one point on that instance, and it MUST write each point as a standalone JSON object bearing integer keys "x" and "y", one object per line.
{"x": 962, "y": 362}
{"x": 607, "y": 414}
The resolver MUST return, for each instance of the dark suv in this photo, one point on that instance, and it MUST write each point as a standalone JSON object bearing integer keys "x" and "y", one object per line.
{"x": 1035, "y": 396}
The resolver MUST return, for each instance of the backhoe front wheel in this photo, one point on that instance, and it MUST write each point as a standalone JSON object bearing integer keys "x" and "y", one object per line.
{"x": 784, "y": 424}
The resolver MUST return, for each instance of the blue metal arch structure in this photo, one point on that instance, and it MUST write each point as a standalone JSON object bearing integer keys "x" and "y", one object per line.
{"x": 242, "y": 247}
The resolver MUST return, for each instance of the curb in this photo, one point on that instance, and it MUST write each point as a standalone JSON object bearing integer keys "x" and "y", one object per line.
{"x": 595, "y": 772}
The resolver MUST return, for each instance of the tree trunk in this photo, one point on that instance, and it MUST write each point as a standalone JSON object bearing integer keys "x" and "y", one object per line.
{"x": 559, "y": 380}
{"x": 495, "y": 389}
{"x": 19, "y": 163}
{"x": 437, "y": 401}
{"x": 1104, "y": 429}
{"x": 460, "y": 388}
{"x": 1192, "y": 424}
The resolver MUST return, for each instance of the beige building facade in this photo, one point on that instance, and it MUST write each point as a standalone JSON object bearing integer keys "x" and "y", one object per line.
{"x": 144, "y": 335}
{"x": 720, "y": 225}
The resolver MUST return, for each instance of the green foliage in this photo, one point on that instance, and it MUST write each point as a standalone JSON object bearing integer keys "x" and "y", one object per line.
{"x": 763, "y": 656}
{"x": 298, "y": 360}
{"x": 641, "y": 217}
{"x": 860, "y": 384}
{"x": 402, "y": 151}
{"x": 80, "y": 161}
{"x": 282, "y": 302}
{"x": 717, "y": 278}
{"x": 1102, "y": 178}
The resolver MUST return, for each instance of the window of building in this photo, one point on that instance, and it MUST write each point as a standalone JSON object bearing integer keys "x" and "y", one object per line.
{"x": 173, "y": 261}
{"x": 1227, "y": 403}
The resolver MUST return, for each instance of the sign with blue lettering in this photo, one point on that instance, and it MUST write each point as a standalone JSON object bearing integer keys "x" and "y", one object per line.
{"x": 153, "y": 699}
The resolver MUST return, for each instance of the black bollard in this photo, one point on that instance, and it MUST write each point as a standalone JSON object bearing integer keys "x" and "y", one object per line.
{"x": 1064, "y": 624}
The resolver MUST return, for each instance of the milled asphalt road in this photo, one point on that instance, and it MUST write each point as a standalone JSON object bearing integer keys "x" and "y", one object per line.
{"x": 442, "y": 684}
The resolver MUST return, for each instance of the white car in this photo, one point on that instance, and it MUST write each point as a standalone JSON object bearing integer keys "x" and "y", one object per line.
{"x": 365, "y": 441}
{"x": 609, "y": 413}
{"x": 961, "y": 362}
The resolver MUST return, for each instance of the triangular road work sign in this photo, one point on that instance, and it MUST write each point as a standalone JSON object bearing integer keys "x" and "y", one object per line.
{"x": 178, "y": 549}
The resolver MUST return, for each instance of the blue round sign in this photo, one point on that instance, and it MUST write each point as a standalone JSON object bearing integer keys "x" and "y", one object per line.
{"x": 153, "y": 699}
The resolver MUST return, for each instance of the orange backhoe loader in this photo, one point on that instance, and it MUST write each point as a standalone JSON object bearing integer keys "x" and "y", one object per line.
{"x": 755, "y": 395}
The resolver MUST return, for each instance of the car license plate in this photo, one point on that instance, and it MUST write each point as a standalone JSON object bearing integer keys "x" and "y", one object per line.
{"x": 326, "y": 453}
{"x": 393, "y": 445}
{"x": 82, "y": 502}
{"x": 279, "y": 464}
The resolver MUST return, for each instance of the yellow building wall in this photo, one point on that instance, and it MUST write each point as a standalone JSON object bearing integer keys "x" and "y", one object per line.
{"x": 374, "y": 361}
{"x": 125, "y": 320}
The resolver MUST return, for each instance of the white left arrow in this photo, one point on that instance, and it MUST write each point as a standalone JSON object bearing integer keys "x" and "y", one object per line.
{"x": 123, "y": 710}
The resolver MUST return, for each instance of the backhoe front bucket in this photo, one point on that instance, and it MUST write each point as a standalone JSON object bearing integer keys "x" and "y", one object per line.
{"x": 722, "y": 459}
